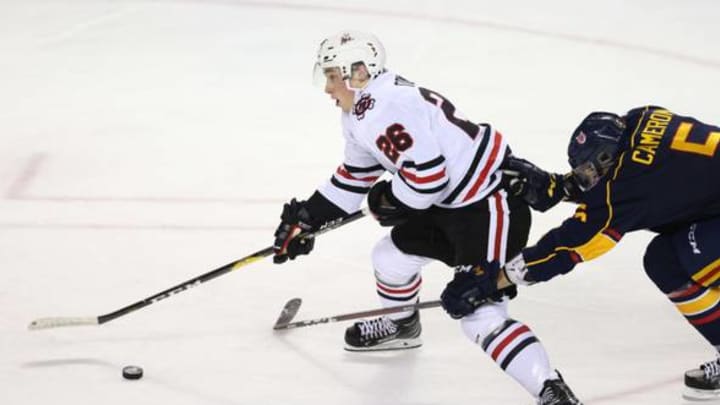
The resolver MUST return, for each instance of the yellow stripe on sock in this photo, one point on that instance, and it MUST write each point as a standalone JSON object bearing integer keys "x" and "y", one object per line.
{"x": 708, "y": 300}
{"x": 700, "y": 277}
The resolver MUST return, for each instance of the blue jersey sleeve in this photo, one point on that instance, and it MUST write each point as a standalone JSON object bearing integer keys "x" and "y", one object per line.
{"x": 604, "y": 214}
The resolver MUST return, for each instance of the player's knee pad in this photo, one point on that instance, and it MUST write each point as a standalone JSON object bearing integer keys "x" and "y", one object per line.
{"x": 663, "y": 266}
{"x": 486, "y": 319}
{"x": 392, "y": 266}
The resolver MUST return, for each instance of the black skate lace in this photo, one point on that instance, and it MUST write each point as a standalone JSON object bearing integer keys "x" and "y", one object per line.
{"x": 547, "y": 396}
{"x": 556, "y": 394}
{"x": 377, "y": 328}
{"x": 711, "y": 369}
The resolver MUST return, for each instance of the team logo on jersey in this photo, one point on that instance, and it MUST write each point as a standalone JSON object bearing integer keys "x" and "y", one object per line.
{"x": 365, "y": 103}
{"x": 581, "y": 138}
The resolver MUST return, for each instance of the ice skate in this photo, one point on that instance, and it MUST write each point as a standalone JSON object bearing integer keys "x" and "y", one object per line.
{"x": 556, "y": 392}
{"x": 703, "y": 383}
{"x": 384, "y": 333}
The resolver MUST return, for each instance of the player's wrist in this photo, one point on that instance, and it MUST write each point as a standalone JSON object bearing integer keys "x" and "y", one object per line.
{"x": 516, "y": 271}
{"x": 503, "y": 281}
{"x": 322, "y": 210}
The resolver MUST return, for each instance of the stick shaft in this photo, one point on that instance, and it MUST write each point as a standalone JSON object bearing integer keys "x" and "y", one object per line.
{"x": 358, "y": 315}
{"x": 44, "y": 323}
{"x": 186, "y": 285}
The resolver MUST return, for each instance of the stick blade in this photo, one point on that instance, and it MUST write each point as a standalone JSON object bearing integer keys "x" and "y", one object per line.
{"x": 62, "y": 321}
{"x": 288, "y": 312}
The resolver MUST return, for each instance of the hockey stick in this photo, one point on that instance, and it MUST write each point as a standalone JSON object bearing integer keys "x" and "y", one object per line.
{"x": 61, "y": 321}
{"x": 293, "y": 306}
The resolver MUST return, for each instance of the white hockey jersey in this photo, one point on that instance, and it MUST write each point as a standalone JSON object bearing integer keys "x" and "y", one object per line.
{"x": 435, "y": 155}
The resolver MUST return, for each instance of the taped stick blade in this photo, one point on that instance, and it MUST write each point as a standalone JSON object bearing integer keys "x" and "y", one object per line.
{"x": 288, "y": 312}
{"x": 62, "y": 321}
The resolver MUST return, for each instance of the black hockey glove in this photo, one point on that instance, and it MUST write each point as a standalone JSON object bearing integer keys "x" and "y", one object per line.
{"x": 295, "y": 218}
{"x": 471, "y": 287}
{"x": 385, "y": 207}
{"x": 540, "y": 189}
{"x": 302, "y": 216}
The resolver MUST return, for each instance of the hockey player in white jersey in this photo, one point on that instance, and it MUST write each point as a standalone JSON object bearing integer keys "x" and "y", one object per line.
{"x": 445, "y": 201}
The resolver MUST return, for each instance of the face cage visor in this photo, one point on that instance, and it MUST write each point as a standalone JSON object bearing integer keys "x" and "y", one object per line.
{"x": 319, "y": 78}
{"x": 588, "y": 174}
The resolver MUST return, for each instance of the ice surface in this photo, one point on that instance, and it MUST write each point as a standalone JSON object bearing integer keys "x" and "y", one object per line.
{"x": 145, "y": 142}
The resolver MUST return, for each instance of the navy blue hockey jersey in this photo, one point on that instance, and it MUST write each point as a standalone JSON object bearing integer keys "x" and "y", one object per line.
{"x": 667, "y": 175}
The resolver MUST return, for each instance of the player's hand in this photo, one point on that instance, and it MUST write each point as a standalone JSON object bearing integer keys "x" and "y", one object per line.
{"x": 471, "y": 287}
{"x": 540, "y": 189}
{"x": 385, "y": 207}
{"x": 295, "y": 219}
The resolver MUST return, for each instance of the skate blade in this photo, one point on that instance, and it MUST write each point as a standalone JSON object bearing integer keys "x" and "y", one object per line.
{"x": 694, "y": 394}
{"x": 395, "y": 344}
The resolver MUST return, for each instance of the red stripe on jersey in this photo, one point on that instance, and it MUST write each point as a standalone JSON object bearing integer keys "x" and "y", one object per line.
{"x": 499, "y": 230}
{"x": 613, "y": 234}
{"x": 706, "y": 319}
{"x": 575, "y": 257}
{"x": 684, "y": 293}
{"x": 709, "y": 276}
{"x": 485, "y": 170}
{"x": 423, "y": 179}
{"x": 519, "y": 331}
{"x": 344, "y": 173}
{"x": 406, "y": 290}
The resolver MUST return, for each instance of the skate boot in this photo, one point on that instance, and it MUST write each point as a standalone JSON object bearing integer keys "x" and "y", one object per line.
{"x": 703, "y": 383}
{"x": 556, "y": 392}
{"x": 384, "y": 333}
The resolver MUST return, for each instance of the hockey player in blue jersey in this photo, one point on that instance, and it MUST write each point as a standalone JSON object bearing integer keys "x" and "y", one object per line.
{"x": 650, "y": 169}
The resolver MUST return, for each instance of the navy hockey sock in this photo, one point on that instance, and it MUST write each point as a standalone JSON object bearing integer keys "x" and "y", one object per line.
{"x": 701, "y": 307}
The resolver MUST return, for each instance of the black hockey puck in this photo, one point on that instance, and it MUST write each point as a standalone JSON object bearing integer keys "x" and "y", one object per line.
{"x": 132, "y": 372}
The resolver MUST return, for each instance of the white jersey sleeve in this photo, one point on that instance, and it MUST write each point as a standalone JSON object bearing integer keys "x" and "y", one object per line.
{"x": 353, "y": 178}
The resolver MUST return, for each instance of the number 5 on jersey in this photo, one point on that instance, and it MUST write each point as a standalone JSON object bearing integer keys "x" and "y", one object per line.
{"x": 681, "y": 143}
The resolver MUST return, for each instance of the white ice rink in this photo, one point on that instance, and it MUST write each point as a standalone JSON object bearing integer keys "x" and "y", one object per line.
{"x": 143, "y": 143}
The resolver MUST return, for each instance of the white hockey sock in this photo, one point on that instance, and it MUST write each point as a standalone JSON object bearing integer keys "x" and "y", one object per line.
{"x": 393, "y": 295}
{"x": 397, "y": 276}
{"x": 514, "y": 347}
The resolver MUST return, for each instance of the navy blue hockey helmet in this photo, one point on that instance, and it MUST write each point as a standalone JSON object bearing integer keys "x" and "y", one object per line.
{"x": 594, "y": 147}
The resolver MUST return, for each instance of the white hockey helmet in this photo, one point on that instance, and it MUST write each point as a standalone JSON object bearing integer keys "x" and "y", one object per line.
{"x": 347, "y": 48}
